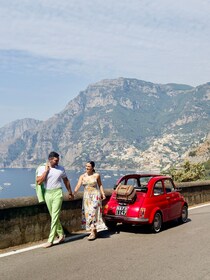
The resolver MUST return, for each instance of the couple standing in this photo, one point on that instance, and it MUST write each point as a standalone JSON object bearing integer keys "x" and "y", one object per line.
{"x": 49, "y": 177}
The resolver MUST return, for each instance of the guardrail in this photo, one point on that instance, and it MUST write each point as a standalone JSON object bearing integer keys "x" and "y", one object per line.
{"x": 24, "y": 220}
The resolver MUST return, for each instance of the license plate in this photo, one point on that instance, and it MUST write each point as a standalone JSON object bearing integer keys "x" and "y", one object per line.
{"x": 121, "y": 210}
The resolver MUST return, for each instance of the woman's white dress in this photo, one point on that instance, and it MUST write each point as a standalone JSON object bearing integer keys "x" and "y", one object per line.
{"x": 92, "y": 204}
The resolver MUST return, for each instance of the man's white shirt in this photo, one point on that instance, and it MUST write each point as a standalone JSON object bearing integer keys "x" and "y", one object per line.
{"x": 54, "y": 177}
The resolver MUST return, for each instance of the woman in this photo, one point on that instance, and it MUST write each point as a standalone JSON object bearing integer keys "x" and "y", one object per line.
{"x": 93, "y": 194}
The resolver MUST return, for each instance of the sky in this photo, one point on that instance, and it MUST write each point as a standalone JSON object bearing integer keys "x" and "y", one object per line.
{"x": 51, "y": 50}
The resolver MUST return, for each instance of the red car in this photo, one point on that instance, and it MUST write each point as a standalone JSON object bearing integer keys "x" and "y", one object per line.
{"x": 155, "y": 200}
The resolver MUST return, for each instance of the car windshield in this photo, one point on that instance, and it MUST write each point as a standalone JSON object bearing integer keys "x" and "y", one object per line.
{"x": 140, "y": 184}
{"x": 144, "y": 180}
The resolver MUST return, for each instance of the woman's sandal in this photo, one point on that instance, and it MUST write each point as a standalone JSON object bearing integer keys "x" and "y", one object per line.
{"x": 92, "y": 236}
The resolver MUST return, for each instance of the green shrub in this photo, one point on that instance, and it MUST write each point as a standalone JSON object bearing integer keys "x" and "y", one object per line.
{"x": 188, "y": 172}
{"x": 192, "y": 153}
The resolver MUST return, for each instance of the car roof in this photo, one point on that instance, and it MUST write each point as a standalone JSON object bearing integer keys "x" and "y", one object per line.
{"x": 140, "y": 175}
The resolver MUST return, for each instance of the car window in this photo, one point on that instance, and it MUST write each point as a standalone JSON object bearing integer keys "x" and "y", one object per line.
{"x": 158, "y": 188}
{"x": 133, "y": 182}
{"x": 169, "y": 187}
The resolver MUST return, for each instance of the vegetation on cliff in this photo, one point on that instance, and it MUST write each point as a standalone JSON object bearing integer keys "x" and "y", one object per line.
{"x": 121, "y": 124}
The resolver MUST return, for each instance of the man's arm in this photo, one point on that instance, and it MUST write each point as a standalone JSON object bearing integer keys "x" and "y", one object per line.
{"x": 42, "y": 178}
{"x": 68, "y": 187}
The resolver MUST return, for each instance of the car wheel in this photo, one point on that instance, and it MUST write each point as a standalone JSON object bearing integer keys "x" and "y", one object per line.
{"x": 111, "y": 225}
{"x": 184, "y": 215}
{"x": 157, "y": 222}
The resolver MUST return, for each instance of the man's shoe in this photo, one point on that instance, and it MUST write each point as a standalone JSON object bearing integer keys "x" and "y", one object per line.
{"x": 61, "y": 239}
{"x": 47, "y": 245}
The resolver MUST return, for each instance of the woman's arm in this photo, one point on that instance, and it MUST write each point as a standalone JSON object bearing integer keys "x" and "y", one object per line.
{"x": 101, "y": 187}
{"x": 79, "y": 183}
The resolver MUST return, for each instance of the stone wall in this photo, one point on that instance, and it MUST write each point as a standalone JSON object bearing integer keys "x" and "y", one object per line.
{"x": 195, "y": 192}
{"x": 23, "y": 220}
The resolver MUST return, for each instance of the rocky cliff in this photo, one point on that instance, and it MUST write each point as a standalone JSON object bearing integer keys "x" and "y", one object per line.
{"x": 120, "y": 123}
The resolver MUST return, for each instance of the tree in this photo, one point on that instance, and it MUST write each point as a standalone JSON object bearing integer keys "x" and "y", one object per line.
{"x": 188, "y": 172}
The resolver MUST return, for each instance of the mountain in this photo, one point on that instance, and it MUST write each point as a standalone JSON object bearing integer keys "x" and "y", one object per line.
{"x": 120, "y": 124}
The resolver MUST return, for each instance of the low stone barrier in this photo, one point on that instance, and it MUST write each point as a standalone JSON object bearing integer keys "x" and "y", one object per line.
{"x": 195, "y": 192}
{"x": 24, "y": 220}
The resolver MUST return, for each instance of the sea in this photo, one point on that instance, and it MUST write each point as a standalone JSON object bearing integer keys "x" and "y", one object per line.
{"x": 20, "y": 182}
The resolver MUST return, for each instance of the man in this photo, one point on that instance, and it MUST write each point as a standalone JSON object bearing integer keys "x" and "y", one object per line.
{"x": 51, "y": 175}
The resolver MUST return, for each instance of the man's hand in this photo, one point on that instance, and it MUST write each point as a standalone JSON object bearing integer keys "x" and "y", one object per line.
{"x": 47, "y": 166}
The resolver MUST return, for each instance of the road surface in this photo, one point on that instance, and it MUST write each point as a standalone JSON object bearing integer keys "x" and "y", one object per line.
{"x": 177, "y": 252}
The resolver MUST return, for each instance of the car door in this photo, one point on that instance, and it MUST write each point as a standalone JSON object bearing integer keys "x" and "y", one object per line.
{"x": 173, "y": 199}
{"x": 159, "y": 199}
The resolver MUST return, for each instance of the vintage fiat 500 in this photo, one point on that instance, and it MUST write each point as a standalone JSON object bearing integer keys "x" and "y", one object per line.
{"x": 141, "y": 199}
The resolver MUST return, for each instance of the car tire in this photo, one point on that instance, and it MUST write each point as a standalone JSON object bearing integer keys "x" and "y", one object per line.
{"x": 111, "y": 225}
{"x": 157, "y": 223}
{"x": 184, "y": 215}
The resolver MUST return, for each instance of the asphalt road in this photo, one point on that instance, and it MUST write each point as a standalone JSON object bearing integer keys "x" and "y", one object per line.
{"x": 177, "y": 252}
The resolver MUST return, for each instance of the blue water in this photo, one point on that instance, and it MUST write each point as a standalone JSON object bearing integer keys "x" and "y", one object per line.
{"x": 19, "y": 182}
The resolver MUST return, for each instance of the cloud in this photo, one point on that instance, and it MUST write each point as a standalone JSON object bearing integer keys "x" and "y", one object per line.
{"x": 106, "y": 38}
{"x": 52, "y": 48}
